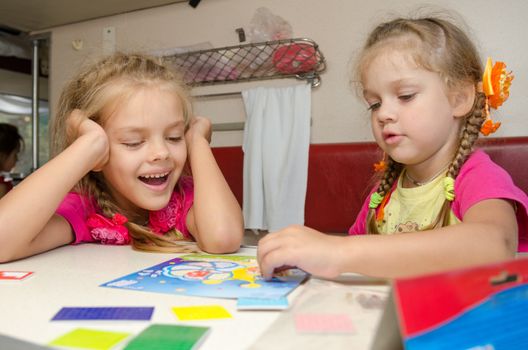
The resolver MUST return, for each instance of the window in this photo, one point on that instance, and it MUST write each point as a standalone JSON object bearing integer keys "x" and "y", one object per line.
{"x": 16, "y": 110}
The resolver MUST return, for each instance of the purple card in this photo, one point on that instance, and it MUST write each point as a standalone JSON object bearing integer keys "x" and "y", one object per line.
{"x": 104, "y": 313}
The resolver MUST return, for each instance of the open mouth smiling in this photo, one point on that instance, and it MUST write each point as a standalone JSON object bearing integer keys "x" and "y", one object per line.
{"x": 154, "y": 179}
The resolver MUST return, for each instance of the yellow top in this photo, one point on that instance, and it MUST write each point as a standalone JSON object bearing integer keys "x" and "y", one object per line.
{"x": 412, "y": 209}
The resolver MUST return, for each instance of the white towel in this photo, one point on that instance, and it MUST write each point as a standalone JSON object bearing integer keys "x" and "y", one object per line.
{"x": 276, "y": 141}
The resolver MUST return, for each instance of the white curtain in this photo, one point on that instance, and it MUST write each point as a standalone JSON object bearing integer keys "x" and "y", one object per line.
{"x": 276, "y": 141}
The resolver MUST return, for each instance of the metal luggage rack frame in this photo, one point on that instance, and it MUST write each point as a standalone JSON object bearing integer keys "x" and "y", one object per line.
{"x": 299, "y": 58}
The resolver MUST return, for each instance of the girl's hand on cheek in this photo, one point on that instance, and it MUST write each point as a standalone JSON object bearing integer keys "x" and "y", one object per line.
{"x": 301, "y": 247}
{"x": 79, "y": 126}
{"x": 199, "y": 127}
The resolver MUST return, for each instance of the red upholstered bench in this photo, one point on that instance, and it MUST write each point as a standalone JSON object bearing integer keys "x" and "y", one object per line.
{"x": 340, "y": 175}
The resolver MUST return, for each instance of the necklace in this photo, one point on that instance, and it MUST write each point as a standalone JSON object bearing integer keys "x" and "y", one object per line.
{"x": 421, "y": 183}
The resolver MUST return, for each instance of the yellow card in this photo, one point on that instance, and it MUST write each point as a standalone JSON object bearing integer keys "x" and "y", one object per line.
{"x": 187, "y": 313}
{"x": 89, "y": 339}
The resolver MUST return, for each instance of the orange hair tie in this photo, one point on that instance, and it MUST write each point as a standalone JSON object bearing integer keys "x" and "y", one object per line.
{"x": 381, "y": 211}
{"x": 380, "y": 166}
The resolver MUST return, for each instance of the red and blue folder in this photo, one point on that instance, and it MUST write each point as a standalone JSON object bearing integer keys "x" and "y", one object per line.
{"x": 484, "y": 307}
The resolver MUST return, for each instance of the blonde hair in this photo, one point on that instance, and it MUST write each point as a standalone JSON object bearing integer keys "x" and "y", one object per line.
{"x": 101, "y": 84}
{"x": 439, "y": 46}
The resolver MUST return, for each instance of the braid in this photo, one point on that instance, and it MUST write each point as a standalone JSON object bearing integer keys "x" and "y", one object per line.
{"x": 145, "y": 240}
{"x": 103, "y": 199}
{"x": 391, "y": 174}
{"x": 469, "y": 135}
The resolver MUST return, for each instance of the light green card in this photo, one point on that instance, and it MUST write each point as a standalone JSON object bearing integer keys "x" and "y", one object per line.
{"x": 90, "y": 339}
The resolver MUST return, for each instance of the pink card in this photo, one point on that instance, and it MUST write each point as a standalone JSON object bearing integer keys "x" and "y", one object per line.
{"x": 14, "y": 275}
{"x": 324, "y": 323}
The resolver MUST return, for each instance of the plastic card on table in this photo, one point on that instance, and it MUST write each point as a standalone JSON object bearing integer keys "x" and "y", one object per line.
{"x": 324, "y": 323}
{"x": 89, "y": 339}
{"x": 353, "y": 320}
{"x": 164, "y": 336}
{"x": 202, "y": 312}
{"x": 14, "y": 275}
{"x": 104, "y": 313}
{"x": 262, "y": 303}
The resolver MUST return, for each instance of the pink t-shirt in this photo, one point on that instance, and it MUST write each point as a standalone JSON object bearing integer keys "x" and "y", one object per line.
{"x": 479, "y": 179}
{"x": 76, "y": 209}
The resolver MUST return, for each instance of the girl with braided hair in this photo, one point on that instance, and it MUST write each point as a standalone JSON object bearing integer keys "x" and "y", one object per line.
{"x": 440, "y": 204}
{"x": 132, "y": 165}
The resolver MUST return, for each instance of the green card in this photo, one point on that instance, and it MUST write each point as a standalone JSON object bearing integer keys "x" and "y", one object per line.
{"x": 165, "y": 337}
{"x": 90, "y": 339}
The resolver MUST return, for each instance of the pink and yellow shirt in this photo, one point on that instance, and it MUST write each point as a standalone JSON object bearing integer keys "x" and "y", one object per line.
{"x": 410, "y": 209}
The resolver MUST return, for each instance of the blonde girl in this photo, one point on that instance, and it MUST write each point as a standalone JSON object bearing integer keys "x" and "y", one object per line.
{"x": 440, "y": 204}
{"x": 132, "y": 165}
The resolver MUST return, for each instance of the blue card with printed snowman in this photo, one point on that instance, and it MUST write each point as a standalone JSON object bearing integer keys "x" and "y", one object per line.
{"x": 217, "y": 276}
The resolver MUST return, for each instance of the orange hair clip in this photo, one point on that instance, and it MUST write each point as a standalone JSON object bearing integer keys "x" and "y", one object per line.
{"x": 496, "y": 82}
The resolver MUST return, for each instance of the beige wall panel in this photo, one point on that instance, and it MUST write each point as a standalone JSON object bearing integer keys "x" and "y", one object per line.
{"x": 338, "y": 26}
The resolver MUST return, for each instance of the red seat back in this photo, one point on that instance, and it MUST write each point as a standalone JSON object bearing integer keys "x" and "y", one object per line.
{"x": 340, "y": 176}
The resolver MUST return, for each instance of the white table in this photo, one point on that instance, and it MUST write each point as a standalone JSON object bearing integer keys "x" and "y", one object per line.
{"x": 71, "y": 275}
